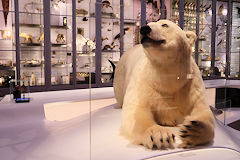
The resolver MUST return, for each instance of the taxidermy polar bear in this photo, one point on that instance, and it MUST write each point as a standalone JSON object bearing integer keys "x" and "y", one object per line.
{"x": 158, "y": 84}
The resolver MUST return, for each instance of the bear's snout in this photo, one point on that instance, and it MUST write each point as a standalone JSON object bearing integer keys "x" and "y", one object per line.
{"x": 145, "y": 30}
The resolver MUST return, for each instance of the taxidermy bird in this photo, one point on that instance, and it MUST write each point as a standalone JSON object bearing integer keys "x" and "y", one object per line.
{"x": 220, "y": 42}
{"x": 220, "y": 9}
{"x": 238, "y": 11}
{"x": 106, "y": 4}
{"x": 108, "y": 47}
{"x": 113, "y": 66}
{"x": 207, "y": 8}
{"x": 117, "y": 37}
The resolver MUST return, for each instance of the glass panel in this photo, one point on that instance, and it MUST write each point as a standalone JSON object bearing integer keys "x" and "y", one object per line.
{"x": 205, "y": 25}
{"x": 190, "y": 15}
{"x": 132, "y": 14}
{"x": 85, "y": 42}
{"x": 235, "y": 45}
{"x": 174, "y": 11}
{"x": 220, "y": 50}
{"x": 61, "y": 42}
{"x": 31, "y": 41}
{"x": 7, "y": 41}
{"x": 152, "y": 11}
{"x": 110, "y": 39}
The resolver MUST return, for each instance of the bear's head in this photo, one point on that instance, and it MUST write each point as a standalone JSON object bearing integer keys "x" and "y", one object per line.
{"x": 166, "y": 41}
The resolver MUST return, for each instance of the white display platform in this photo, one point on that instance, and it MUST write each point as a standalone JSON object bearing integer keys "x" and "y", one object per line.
{"x": 25, "y": 134}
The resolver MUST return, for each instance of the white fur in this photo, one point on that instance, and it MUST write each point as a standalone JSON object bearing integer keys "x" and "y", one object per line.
{"x": 160, "y": 85}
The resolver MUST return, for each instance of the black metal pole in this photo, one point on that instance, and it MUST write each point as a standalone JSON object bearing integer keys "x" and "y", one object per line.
{"x": 16, "y": 13}
{"x": 98, "y": 31}
{"x": 163, "y": 9}
{"x": 143, "y": 12}
{"x": 228, "y": 39}
{"x": 213, "y": 33}
{"x": 197, "y": 31}
{"x": 47, "y": 44}
{"x": 121, "y": 27}
{"x": 181, "y": 13}
{"x": 74, "y": 43}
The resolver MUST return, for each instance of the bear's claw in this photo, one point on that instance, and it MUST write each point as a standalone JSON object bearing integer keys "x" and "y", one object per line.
{"x": 158, "y": 137}
{"x": 193, "y": 133}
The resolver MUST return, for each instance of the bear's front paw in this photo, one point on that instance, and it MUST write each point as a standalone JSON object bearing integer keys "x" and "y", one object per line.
{"x": 158, "y": 137}
{"x": 195, "y": 133}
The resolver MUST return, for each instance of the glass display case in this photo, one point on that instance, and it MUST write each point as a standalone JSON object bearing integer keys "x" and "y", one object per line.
{"x": 85, "y": 42}
{"x": 31, "y": 41}
{"x": 235, "y": 43}
{"x": 221, "y": 30}
{"x": 110, "y": 26}
{"x": 153, "y": 13}
{"x": 204, "y": 39}
{"x": 7, "y": 50}
{"x": 190, "y": 15}
{"x": 80, "y": 52}
{"x": 175, "y": 11}
{"x": 61, "y": 41}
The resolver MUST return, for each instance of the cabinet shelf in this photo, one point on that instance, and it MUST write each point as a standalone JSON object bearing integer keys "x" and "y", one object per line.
{"x": 30, "y": 44}
{"x": 61, "y": 65}
{"x": 105, "y": 15}
{"x": 2, "y": 67}
{"x": 64, "y": 45}
{"x": 59, "y": 45}
{"x": 32, "y": 65}
{"x": 41, "y": 26}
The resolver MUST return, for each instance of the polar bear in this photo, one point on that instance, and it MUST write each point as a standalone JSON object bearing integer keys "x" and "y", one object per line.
{"x": 159, "y": 85}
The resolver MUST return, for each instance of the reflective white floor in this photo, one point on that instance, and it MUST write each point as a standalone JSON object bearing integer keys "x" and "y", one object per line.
{"x": 25, "y": 134}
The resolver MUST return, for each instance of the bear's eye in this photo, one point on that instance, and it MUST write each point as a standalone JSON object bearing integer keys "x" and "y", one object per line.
{"x": 164, "y": 25}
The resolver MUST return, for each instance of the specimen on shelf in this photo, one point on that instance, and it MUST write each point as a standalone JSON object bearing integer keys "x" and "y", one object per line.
{"x": 106, "y": 4}
{"x": 117, "y": 37}
{"x": 103, "y": 39}
{"x": 175, "y": 4}
{"x": 60, "y": 38}
{"x": 108, "y": 47}
{"x": 86, "y": 41}
{"x": 32, "y": 63}
{"x": 220, "y": 42}
{"x": 64, "y": 21}
{"x": 41, "y": 38}
{"x": 207, "y": 9}
{"x": 80, "y": 31}
{"x": 27, "y": 37}
{"x": 238, "y": 11}
{"x": 81, "y": 12}
{"x": 84, "y": 19}
{"x": 33, "y": 6}
{"x": 113, "y": 67}
{"x": 55, "y": 3}
{"x": 202, "y": 50}
{"x": 220, "y": 10}
{"x": 5, "y": 5}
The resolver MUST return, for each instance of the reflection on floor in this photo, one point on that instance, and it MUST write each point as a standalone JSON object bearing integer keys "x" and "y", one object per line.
{"x": 62, "y": 111}
{"x": 26, "y": 134}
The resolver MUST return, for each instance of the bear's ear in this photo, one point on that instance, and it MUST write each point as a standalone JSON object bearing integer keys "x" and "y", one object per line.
{"x": 191, "y": 36}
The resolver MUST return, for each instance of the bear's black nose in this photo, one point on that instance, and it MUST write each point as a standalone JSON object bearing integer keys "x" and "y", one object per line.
{"x": 145, "y": 30}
